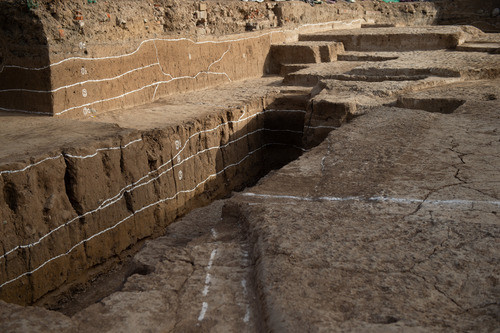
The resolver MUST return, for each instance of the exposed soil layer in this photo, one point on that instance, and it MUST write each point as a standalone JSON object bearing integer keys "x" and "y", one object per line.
{"x": 135, "y": 185}
{"x": 390, "y": 224}
{"x": 77, "y": 59}
{"x": 384, "y": 218}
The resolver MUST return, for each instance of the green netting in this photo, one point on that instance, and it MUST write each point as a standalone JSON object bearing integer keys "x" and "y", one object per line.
{"x": 32, "y": 4}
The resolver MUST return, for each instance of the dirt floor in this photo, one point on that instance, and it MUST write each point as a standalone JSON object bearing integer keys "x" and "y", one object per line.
{"x": 355, "y": 191}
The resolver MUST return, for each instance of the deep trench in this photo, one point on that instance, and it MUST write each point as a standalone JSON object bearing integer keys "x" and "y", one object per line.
{"x": 281, "y": 136}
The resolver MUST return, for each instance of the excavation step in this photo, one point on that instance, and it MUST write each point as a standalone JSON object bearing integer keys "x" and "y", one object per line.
{"x": 367, "y": 56}
{"x": 413, "y": 66}
{"x": 479, "y": 47}
{"x": 93, "y": 196}
{"x": 392, "y": 39}
{"x": 304, "y": 52}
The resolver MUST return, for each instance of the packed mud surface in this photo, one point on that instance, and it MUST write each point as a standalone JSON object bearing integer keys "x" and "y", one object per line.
{"x": 333, "y": 173}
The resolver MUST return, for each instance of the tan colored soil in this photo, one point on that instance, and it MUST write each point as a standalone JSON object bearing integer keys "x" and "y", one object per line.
{"x": 384, "y": 219}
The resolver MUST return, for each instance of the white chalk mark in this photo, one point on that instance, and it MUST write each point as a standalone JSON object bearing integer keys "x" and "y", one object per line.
{"x": 154, "y": 94}
{"x": 214, "y": 233}
{"x": 246, "y": 318}
{"x": 180, "y": 174}
{"x": 72, "y": 156}
{"x": 203, "y": 311}
{"x": 84, "y": 92}
{"x": 103, "y": 149}
{"x": 206, "y": 288}
{"x": 376, "y": 199}
{"x": 212, "y": 257}
{"x": 220, "y": 59}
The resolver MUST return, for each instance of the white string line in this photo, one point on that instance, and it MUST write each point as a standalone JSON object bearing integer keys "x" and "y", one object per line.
{"x": 72, "y": 156}
{"x": 376, "y": 199}
{"x": 129, "y": 188}
{"x": 178, "y": 40}
{"x": 172, "y": 160}
{"x": 133, "y": 214}
{"x": 31, "y": 165}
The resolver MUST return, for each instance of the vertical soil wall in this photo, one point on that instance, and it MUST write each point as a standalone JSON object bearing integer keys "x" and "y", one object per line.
{"x": 72, "y": 211}
{"x": 79, "y": 60}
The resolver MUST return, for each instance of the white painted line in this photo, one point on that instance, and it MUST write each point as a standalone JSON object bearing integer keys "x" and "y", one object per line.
{"x": 206, "y": 288}
{"x": 212, "y": 257}
{"x": 375, "y": 199}
{"x": 207, "y": 283}
{"x": 72, "y": 156}
{"x": 203, "y": 311}
{"x": 31, "y": 165}
{"x": 246, "y": 318}
{"x": 220, "y": 59}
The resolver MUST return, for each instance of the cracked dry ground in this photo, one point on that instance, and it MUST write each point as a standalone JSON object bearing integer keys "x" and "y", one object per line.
{"x": 390, "y": 224}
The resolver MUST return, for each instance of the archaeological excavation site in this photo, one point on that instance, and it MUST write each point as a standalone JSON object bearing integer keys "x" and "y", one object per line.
{"x": 249, "y": 166}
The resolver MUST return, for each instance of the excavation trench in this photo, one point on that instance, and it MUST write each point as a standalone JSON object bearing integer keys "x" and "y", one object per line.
{"x": 270, "y": 138}
{"x": 121, "y": 196}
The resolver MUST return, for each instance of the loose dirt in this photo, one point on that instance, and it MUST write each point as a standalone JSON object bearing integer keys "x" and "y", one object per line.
{"x": 359, "y": 188}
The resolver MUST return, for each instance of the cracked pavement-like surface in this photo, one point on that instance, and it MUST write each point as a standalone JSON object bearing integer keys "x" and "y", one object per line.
{"x": 391, "y": 223}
